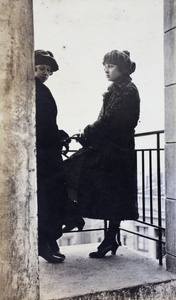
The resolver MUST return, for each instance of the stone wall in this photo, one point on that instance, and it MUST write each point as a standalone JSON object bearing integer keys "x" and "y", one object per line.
{"x": 18, "y": 204}
{"x": 170, "y": 130}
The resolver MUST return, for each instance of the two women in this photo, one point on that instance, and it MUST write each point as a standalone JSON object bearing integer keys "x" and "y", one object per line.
{"x": 107, "y": 184}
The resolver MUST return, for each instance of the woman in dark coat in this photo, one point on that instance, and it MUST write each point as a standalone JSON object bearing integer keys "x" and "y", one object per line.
{"x": 107, "y": 187}
{"x": 52, "y": 194}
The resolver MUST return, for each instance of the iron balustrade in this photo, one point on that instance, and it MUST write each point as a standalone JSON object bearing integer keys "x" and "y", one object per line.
{"x": 150, "y": 176}
{"x": 153, "y": 195}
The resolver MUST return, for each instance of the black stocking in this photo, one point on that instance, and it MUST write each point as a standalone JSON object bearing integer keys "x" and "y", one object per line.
{"x": 113, "y": 230}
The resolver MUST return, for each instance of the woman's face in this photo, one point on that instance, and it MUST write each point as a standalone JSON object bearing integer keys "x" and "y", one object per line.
{"x": 42, "y": 72}
{"x": 112, "y": 72}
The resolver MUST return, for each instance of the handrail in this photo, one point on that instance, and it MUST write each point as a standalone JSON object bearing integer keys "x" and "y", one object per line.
{"x": 149, "y": 133}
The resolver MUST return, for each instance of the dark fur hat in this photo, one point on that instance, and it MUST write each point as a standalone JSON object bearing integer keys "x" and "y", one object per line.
{"x": 46, "y": 58}
{"x": 121, "y": 59}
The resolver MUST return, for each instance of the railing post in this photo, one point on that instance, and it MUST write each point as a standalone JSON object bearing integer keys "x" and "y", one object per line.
{"x": 143, "y": 187}
{"x": 159, "y": 199}
{"x": 150, "y": 183}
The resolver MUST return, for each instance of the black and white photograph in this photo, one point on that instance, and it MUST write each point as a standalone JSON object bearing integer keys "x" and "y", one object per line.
{"x": 88, "y": 150}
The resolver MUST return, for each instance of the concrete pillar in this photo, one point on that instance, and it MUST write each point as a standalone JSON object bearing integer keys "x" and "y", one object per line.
{"x": 170, "y": 130}
{"x": 18, "y": 204}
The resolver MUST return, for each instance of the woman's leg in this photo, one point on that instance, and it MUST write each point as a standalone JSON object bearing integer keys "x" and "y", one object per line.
{"x": 113, "y": 230}
{"x": 109, "y": 243}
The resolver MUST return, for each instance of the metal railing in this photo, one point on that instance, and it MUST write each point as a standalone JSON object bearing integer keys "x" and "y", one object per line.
{"x": 151, "y": 199}
{"x": 150, "y": 173}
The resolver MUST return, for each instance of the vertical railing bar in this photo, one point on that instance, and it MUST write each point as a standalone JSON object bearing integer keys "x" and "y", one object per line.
{"x": 150, "y": 184}
{"x": 143, "y": 186}
{"x": 137, "y": 177}
{"x": 105, "y": 228}
{"x": 119, "y": 237}
{"x": 159, "y": 199}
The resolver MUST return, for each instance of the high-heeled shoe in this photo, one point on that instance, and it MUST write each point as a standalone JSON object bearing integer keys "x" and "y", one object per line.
{"x": 77, "y": 224}
{"x": 104, "y": 248}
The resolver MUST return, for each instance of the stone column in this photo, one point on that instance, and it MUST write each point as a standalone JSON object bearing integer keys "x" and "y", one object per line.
{"x": 170, "y": 130}
{"x": 18, "y": 204}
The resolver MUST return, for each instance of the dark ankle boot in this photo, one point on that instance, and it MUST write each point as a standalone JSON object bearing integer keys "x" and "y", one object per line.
{"x": 53, "y": 246}
{"x": 104, "y": 248}
{"x": 48, "y": 255}
{"x": 109, "y": 243}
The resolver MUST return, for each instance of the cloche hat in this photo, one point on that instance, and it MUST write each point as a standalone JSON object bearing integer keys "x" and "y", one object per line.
{"x": 46, "y": 58}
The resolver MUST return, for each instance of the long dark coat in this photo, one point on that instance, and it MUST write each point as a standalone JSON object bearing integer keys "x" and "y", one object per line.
{"x": 107, "y": 186}
{"x": 51, "y": 190}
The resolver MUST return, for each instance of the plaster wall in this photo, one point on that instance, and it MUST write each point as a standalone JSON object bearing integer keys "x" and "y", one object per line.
{"x": 18, "y": 205}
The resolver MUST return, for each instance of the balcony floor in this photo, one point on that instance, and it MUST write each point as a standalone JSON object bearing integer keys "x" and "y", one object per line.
{"x": 114, "y": 277}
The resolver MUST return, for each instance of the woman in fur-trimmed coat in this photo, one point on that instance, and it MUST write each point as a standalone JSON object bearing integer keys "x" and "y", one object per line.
{"x": 107, "y": 187}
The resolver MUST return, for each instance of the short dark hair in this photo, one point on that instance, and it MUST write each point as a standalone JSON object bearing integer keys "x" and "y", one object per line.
{"x": 121, "y": 59}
